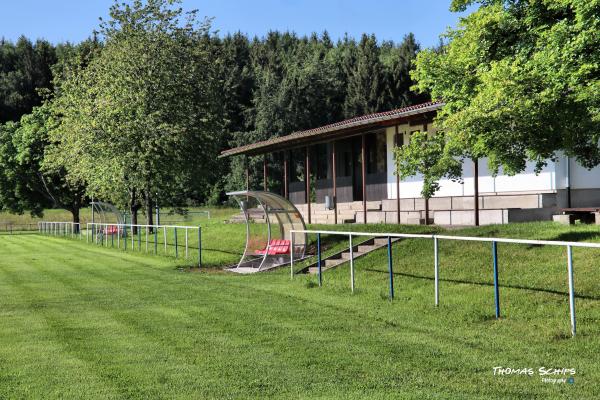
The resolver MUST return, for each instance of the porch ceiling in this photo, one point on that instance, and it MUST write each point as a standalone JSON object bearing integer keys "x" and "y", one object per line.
{"x": 336, "y": 130}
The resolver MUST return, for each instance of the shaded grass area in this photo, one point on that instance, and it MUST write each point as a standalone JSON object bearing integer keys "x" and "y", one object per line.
{"x": 85, "y": 322}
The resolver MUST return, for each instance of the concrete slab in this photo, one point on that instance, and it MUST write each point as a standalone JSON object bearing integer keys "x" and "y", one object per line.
{"x": 564, "y": 219}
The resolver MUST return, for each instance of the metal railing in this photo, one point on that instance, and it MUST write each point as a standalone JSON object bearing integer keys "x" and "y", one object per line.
{"x": 60, "y": 228}
{"x": 436, "y": 238}
{"x": 170, "y": 240}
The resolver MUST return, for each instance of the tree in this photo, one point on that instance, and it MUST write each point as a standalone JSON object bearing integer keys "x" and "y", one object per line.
{"x": 425, "y": 155}
{"x": 398, "y": 62}
{"x": 25, "y": 67}
{"x": 140, "y": 123}
{"x": 520, "y": 82}
{"x": 366, "y": 82}
{"x": 27, "y": 182}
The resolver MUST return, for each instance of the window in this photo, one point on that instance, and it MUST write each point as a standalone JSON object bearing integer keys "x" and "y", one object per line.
{"x": 347, "y": 163}
{"x": 376, "y": 153}
{"x": 297, "y": 165}
{"x": 321, "y": 161}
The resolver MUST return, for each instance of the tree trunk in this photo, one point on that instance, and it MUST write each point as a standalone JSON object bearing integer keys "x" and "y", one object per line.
{"x": 134, "y": 207}
{"x": 76, "y": 219}
{"x": 150, "y": 211}
{"x": 134, "y": 218}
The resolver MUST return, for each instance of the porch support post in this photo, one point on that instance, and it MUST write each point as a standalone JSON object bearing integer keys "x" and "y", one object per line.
{"x": 265, "y": 172}
{"x": 285, "y": 174}
{"x": 476, "y": 192}
{"x": 334, "y": 180}
{"x": 398, "y": 142}
{"x": 247, "y": 179}
{"x": 307, "y": 178}
{"x": 364, "y": 177}
{"x": 426, "y": 199}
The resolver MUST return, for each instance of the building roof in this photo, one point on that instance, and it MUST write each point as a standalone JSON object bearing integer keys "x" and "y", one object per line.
{"x": 346, "y": 126}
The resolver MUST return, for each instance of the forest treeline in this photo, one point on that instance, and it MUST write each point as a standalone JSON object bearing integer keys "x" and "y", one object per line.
{"x": 252, "y": 89}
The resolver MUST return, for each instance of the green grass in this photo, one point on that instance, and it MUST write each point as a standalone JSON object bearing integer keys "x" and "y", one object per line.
{"x": 168, "y": 216}
{"x": 80, "y": 321}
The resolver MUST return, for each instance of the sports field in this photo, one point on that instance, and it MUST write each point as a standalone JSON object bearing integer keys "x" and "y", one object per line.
{"x": 81, "y": 321}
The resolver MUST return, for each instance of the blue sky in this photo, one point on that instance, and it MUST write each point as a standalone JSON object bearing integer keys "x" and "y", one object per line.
{"x": 74, "y": 20}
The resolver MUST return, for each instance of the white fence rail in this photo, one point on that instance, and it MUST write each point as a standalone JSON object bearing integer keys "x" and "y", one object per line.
{"x": 179, "y": 241}
{"x": 436, "y": 238}
{"x": 60, "y": 228}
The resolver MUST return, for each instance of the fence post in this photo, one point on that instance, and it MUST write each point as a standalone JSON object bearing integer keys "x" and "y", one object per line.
{"x": 496, "y": 289}
{"x": 155, "y": 239}
{"x": 436, "y": 270}
{"x": 119, "y": 237}
{"x": 571, "y": 289}
{"x": 132, "y": 238}
{"x": 186, "y": 243}
{"x": 124, "y": 237}
{"x": 390, "y": 267}
{"x": 147, "y": 233}
{"x": 351, "y": 263}
{"x": 165, "y": 235}
{"x": 291, "y": 255}
{"x": 176, "y": 250}
{"x": 319, "y": 268}
{"x": 199, "y": 247}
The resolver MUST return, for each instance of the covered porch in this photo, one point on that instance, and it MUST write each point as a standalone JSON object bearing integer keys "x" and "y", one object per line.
{"x": 340, "y": 173}
{"x": 344, "y": 172}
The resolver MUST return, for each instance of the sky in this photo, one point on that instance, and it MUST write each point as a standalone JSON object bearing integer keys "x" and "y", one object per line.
{"x": 74, "y": 20}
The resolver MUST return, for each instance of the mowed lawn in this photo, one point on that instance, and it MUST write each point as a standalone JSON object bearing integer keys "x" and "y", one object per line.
{"x": 81, "y": 321}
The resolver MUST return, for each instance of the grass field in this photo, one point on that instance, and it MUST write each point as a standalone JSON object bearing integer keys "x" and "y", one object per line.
{"x": 80, "y": 321}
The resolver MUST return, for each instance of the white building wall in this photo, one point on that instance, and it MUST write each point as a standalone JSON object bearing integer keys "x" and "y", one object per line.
{"x": 581, "y": 178}
{"x": 527, "y": 181}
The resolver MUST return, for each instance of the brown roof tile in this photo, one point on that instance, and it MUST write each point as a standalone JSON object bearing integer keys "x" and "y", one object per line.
{"x": 363, "y": 120}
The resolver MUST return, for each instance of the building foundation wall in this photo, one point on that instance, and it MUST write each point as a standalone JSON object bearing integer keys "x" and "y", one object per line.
{"x": 455, "y": 210}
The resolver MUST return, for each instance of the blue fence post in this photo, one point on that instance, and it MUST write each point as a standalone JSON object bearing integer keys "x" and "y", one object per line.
{"x": 319, "y": 259}
{"x": 176, "y": 250}
{"x": 199, "y": 247}
{"x": 496, "y": 289}
{"x": 436, "y": 271}
{"x": 390, "y": 267}
{"x": 125, "y": 237}
{"x": 571, "y": 290}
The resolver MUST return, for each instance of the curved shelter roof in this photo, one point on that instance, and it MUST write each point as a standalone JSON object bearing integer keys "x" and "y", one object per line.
{"x": 270, "y": 244}
{"x": 105, "y": 213}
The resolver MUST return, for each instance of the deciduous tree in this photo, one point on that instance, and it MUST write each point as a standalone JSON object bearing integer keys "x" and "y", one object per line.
{"x": 520, "y": 81}
{"x": 140, "y": 121}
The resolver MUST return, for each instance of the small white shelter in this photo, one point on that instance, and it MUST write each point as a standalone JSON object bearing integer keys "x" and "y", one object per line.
{"x": 268, "y": 244}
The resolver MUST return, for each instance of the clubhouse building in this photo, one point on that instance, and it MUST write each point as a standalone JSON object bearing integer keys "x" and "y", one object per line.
{"x": 344, "y": 172}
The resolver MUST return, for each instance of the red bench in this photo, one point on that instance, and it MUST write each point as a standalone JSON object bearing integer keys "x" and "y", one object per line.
{"x": 111, "y": 230}
{"x": 276, "y": 246}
